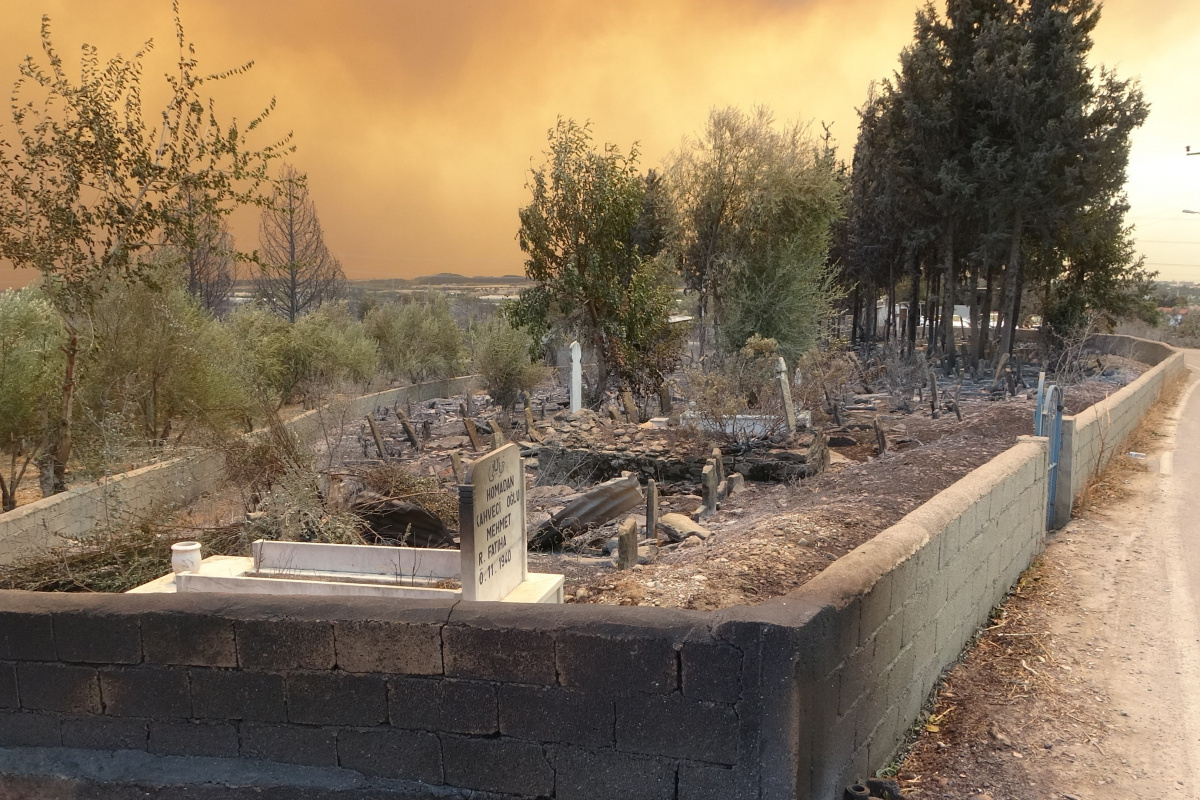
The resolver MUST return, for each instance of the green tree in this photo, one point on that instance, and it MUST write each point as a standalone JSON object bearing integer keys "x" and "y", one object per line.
{"x": 30, "y": 359}
{"x": 580, "y": 234}
{"x": 87, "y": 187}
{"x": 282, "y": 362}
{"x": 157, "y": 363}
{"x": 757, "y": 204}
{"x": 418, "y": 340}
{"x": 502, "y": 362}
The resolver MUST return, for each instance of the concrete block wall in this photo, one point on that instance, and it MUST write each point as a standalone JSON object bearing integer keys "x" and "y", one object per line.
{"x": 791, "y": 699}
{"x": 53, "y": 520}
{"x": 571, "y": 702}
{"x": 889, "y": 617}
{"x": 1091, "y": 438}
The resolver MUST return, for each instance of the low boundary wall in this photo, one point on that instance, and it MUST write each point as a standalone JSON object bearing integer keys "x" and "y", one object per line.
{"x": 54, "y": 520}
{"x": 790, "y": 699}
{"x": 360, "y": 697}
{"x": 1090, "y": 438}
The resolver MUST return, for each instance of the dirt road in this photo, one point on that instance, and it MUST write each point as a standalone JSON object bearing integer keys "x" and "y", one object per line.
{"x": 1088, "y": 686}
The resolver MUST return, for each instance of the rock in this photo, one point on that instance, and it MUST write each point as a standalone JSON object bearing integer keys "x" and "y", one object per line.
{"x": 647, "y": 553}
{"x": 692, "y": 541}
{"x": 581, "y": 594}
{"x": 735, "y": 483}
{"x": 838, "y": 458}
{"x": 610, "y": 546}
{"x": 678, "y": 527}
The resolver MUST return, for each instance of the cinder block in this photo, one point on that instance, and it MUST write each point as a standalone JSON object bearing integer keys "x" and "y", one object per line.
{"x": 197, "y": 640}
{"x": 336, "y": 698}
{"x": 497, "y": 654}
{"x": 899, "y": 675}
{"x": 284, "y": 644}
{"x": 23, "y": 729}
{"x": 869, "y": 713}
{"x": 556, "y": 715}
{"x": 496, "y": 765}
{"x": 711, "y": 671}
{"x": 8, "y": 686}
{"x": 58, "y": 687}
{"x": 27, "y": 636}
{"x": 835, "y": 746}
{"x": 194, "y": 738}
{"x": 708, "y": 782}
{"x": 146, "y": 692}
{"x": 236, "y": 694}
{"x": 391, "y": 647}
{"x": 885, "y": 738}
{"x": 443, "y": 705}
{"x": 654, "y": 725}
{"x": 599, "y": 774}
{"x": 409, "y": 755}
{"x": 96, "y": 638}
{"x": 855, "y": 677}
{"x": 103, "y": 733}
{"x": 619, "y": 665}
{"x": 876, "y": 608}
{"x": 888, "y": 640}
{"x": 290, "y": 744}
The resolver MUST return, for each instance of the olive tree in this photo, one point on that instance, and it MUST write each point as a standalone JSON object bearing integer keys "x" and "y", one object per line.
{"x": 583, "y": 233}
{"x": 89, "y": 185}
{"x": 418, "y": 340}
{"x": 30, "y": 356}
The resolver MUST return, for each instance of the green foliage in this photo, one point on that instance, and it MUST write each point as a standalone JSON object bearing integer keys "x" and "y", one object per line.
{"x": 282, "y": 362}
{"x": 157, "y": 365}
{"x": 502, "y": 362}
{"x": 30, "y": 363}
{"x": 743, "y": 384}
{"x": 418, "y": 340}
{"x": 581, "y": 234}
{"x": 757, "y": 203}
{"x": 998, "y": 156}
{"x": 88, "y": 186}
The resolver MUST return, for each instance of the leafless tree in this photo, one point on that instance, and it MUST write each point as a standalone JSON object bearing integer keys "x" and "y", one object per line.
{"x": 296, "y": 273}
{"x": 209, "y": 263}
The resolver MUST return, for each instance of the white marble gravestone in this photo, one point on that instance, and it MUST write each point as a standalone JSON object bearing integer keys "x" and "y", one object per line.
{"x": 491, "y": 527}
{"x": 576, "y": 377}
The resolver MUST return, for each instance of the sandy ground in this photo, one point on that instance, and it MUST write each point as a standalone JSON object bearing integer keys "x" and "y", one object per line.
{"x": 1087, "y": 684}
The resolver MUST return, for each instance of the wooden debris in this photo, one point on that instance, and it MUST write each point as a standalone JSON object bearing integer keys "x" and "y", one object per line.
{"x": 377, "y": 437}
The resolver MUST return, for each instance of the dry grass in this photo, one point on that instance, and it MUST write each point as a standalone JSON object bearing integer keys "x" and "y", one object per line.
{"x": 396, "y": 482}
{"x": 116, "y": 560}
{"x": 1111, "y": 484}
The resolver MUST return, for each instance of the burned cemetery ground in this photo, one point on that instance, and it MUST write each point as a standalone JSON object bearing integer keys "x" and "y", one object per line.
{"x": 772, "y": 537}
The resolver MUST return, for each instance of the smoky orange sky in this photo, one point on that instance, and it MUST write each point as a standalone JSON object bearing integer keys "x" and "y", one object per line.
{"x": 417, "y": 122}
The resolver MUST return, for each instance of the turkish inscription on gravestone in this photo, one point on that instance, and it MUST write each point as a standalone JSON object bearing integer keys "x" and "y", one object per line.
{"x": 491, "y": 511}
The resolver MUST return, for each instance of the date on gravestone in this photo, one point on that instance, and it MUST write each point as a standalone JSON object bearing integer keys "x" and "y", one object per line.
{"x": 491, "y": 513}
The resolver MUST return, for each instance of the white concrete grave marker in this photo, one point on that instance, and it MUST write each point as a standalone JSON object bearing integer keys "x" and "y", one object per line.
{"x": 785, "y": 391}
{"x": 491, "y": 513}
{"x": 576, "y": 377}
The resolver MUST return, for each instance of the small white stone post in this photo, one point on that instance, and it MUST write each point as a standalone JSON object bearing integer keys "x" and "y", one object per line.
{"x": 789, "y": 410}
{"x": 576, "y": 378}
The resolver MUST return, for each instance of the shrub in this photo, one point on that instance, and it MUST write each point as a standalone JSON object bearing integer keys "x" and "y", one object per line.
{"x": 502, "y": 362}
{"x": 418, "y": 340}
{"x": 30, "y": 370}
{"x": 158, "y": 365}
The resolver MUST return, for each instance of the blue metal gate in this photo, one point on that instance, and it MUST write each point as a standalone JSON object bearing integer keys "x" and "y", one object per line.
{"x": 1047, "y": 421}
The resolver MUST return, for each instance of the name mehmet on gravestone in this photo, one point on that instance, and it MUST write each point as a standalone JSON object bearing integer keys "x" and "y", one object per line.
{"x": 491, "y": 512}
